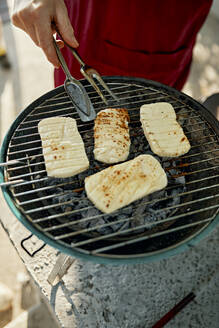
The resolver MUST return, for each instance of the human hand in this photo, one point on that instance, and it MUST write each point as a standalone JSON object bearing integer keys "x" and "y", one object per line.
{"x": 38, "y": 18}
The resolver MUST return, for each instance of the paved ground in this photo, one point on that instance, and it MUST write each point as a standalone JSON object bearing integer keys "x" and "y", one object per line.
{"x": 31, "y": 76}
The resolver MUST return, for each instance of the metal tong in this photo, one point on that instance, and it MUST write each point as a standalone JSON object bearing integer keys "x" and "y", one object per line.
{"x": 75, "y": 89}
{"x": 90, "y": 74}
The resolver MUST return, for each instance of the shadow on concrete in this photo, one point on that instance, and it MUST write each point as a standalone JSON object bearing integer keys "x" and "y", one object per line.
{"x": 5, "y": 317}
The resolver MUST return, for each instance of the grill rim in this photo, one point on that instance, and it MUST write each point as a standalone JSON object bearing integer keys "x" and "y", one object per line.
{"x": 165, "y": 253}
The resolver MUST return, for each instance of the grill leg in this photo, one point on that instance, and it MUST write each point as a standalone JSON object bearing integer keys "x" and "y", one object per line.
{"x": 60, "y": 268}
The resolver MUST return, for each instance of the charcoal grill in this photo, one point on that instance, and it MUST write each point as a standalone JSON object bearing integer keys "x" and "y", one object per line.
{"x": 57, "y": 210}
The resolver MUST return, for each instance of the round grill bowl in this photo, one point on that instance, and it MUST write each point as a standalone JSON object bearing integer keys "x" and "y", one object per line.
{"x": 185, "y": 212}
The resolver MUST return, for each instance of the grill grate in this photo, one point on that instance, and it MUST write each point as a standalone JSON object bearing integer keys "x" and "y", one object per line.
{"x": 182, "y": 210}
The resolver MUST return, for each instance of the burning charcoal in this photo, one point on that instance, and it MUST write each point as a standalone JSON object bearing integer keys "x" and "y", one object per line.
{"x": 83, "y": 203}
{"x": 97, "y": 224}
{"x": 141, "y": 148}
{"x": 83, "y": 224}
{"x": 154, "y": 215}
{"x": 166, "y": 164}
{"x": 141, "y": 217}
{"x": 58, "y": 190}
{"x": 82, "y": 176}
{"x": 151, "y": 218}
{"x": 144, "y": 211}
{"x": 137, "y": 222}
{"x": 180, "y": 180}
{"x": 90, "y": 213}
{"x": 182, "y": 115}
{"x": 63, "y": 198}
{"x": 78, "y": 206}
{"x": 127, "y": 211}
{"x": 118, "y": 226}
{"x": 56, "y": 181}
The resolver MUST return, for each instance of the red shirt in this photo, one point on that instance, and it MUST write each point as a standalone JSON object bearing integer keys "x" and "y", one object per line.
{"x": 140, "y": 38}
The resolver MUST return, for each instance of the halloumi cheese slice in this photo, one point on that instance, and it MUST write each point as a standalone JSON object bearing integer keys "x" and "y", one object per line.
{"x": 63, "y": 147}
{"x": 121, "y": 184}
{"x": 164, "y": 134}
{"x": 111, "y": 135}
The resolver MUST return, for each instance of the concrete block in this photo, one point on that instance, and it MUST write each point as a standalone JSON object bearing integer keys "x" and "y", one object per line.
{"x": 37, "y": 316}
{"x": 6, "y": 298}
{"x": 22, "y": 321}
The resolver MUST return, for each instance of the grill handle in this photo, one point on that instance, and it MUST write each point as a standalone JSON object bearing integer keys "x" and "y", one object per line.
{"x": 5, "y": 164}
{"x": 10, "y": 183}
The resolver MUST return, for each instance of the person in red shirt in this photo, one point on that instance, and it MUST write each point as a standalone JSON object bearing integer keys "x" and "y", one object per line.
{"x": 139, "y": 38}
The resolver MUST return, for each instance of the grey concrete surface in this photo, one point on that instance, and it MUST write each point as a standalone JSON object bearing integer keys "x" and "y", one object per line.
{"x": 93, "y": 295}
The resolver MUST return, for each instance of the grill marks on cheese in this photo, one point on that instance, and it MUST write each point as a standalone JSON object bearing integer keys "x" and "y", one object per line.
{"x": 164, "y": 134}
{"x": 111, "y": 135}
{"x": 121, "y": 184}
{"x": 63, "y": 147}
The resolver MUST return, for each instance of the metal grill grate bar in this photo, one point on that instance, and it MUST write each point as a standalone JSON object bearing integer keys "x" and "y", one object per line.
{"x": 182, "y": 157}
{"x": 39, "y": 148}
{"x": 22, "y": 203}
{"x": 133, "y": 109}
{"x": 101, "y": 215}
{"x": 36, "y": 197}
{"x": 26, "y": 166}
{"x": 100, "y": 102}
{"x": 34, "y": 122}
{"x": 166, "y": 169}
{"x": 26, "y": 202}
{"x": 83, "y": 132}
{"x": 64, "y": 95}
{"x": 140, "y": 227}
{"x": 43, "y": 162}
{"x": 68, "y": 101}
{"x": 79, "y": 125}
{"x": 25, "y": 193}
{"x": 104, "y": 249}
{"x": 78, "y": 232}
{"x": 63, "y": 184}
{"x": 149, "y": 225}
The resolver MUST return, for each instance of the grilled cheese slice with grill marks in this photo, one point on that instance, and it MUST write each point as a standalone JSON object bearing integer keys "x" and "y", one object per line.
{"x": 111, "y": 135}
{"x": 121, "y": 184}
{"x": 164, "y": 134}
{"x": 63, "y": 147}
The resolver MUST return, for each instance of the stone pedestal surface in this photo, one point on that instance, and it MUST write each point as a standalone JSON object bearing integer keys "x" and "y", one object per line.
{"x": 126, "y": 296}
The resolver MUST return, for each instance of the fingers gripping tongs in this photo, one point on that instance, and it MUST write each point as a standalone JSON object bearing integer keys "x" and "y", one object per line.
{"x": 75, "y": 89}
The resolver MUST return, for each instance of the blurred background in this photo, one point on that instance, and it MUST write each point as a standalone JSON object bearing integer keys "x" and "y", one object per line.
{"x": 25, "y": 75}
